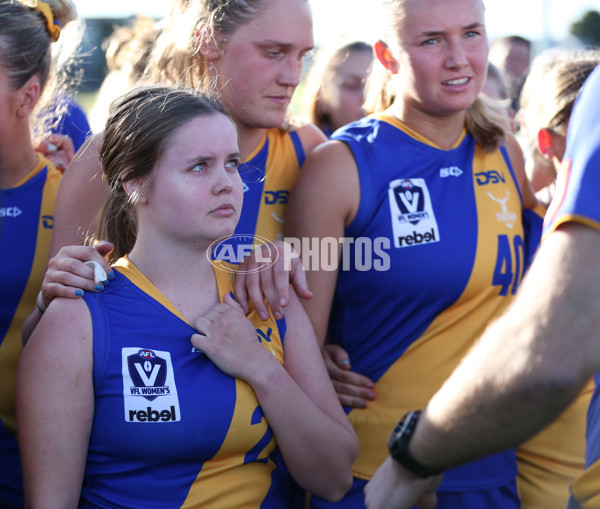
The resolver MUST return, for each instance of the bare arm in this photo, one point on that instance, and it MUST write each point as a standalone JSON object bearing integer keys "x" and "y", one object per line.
{"x": 80, "y": 197}
{"x": 518, "y": 386}
{"x": 306, "y": 410}
{"x": 55, "y": 405}
{"x": 528, "y": 366}
{"x": 297, "y": 400}
{"x": 323, "y": 202}
{"x": 68, "y": 276}
{"x": 310, "y": 137}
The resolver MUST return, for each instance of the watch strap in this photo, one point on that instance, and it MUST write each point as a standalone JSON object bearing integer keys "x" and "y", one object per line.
{"x": 399, "y": 447}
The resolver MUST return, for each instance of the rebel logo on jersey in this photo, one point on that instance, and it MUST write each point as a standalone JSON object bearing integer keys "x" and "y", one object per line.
{"x": 411, "y": 211}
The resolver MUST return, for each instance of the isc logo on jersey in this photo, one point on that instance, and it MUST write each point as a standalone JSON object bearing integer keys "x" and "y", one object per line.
{"x": 149, "y": 390}
{"x": 413, "y": 220}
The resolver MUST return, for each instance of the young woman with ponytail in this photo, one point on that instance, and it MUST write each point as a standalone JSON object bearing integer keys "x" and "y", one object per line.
{"x": 159, "y": 391}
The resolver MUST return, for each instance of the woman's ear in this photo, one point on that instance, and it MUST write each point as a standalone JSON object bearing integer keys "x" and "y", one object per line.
{"x": 29, "y": 94}
{"x": 546, "y": 143}
{"x": 384, "y": 55}
{"x": 134, "y": 189}
{"x": 207, "y": 45}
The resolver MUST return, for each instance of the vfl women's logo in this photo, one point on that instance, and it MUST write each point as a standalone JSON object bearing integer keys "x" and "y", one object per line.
{"x": 148, "y": 374}
{"x": 413, "y": 220}
{"x": 149, "y": 390}
{"x": 410, "y": 201}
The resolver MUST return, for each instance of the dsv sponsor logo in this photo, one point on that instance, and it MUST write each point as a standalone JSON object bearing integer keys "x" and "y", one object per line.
{"x": 489, "y": 177}
{"x": 273, "y": 197}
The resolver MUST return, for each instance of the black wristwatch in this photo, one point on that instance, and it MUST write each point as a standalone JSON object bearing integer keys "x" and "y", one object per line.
{"x": 398, "y": 446}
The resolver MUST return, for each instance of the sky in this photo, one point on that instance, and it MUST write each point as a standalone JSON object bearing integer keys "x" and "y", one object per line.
{"x": 534, "y": 19}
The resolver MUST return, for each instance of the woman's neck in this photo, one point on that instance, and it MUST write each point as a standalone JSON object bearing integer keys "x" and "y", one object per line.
{"x": 17, "y": 159}
{"x": 444, "y": 131}
{"x": 249, "y": 138}
{"x": 185, "y": 276}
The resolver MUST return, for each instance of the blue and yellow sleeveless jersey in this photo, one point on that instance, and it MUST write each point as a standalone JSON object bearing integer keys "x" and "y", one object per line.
{"x": 577, "y": 200}
{"x": 277, "y": 159}
{"x": 170, "y": 429}
{"x": 26, "y": 220}
{"x": 439, "y": 252}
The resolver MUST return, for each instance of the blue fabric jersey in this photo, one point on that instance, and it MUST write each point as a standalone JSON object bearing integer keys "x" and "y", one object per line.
{"x": 26, "y": 220}
{"x": 268, "y": 175}
{"x": 437, "y": 251}
{"x": 278, "y": 159}
{"x": 170, "y": 429}
{"x": 577, "y": 200}
{"x": 73, "y": 123}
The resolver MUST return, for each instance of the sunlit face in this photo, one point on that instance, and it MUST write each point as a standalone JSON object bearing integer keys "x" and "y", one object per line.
{"x": 342, "y": 90}
{"x": 196, "y": 194}
{"x": 441, "y": 55}
{"x": 260, "y": 64}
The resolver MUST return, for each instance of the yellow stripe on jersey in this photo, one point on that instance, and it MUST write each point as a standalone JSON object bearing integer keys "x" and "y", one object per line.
{"x": 281, "y": 174}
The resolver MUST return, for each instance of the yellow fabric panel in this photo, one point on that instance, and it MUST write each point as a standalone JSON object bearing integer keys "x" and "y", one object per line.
{"x": 551, "y": 460}
{"x": 281, "y": 174}
{"x": 585, "y": 488}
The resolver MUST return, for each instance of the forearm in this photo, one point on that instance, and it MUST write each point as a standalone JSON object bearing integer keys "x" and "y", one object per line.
{"x": 528, "y": 366}
{"x": 317, "y": 449}
{"x": 467, "y": 420}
